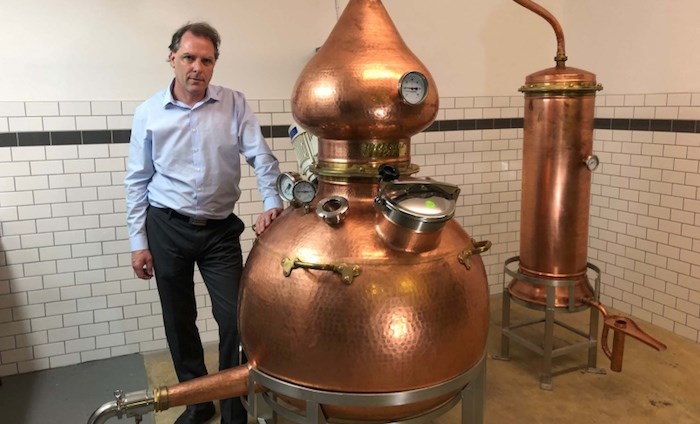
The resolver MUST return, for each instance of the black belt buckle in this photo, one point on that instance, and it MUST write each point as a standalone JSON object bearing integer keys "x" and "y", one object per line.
{"x": 200, "y": 222}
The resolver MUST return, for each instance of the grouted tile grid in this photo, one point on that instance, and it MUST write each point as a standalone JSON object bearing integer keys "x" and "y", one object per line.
{"x": 67, "y": 293}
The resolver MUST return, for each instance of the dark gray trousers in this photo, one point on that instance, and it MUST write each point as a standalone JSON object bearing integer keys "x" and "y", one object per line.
{"x": 176, "y": 246}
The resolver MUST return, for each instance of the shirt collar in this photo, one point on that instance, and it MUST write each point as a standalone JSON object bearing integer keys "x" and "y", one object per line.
{"x": 168, "y": 98}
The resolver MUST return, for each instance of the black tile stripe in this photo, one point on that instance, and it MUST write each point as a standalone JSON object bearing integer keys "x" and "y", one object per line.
{"x": 121, "y": 136}
{"x": 621, "y": 124}
{"x": 57, "y": 138}
{"x": 679, "y": 125}
{"x": 640, "y": 124}
{"x": 66, "y": 137}
{"x": 33, "y": 138}
{"x": 97, "y": 137}
{"x": 8, "y": 139}
{"x": 602, "y": 123}
{"x": 661, "y": 125}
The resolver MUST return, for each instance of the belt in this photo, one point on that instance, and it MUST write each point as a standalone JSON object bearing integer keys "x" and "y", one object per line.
{"x": 199, "y": 222}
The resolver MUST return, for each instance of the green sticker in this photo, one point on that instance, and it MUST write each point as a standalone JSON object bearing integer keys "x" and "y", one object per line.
{"x": 430, "y": 204}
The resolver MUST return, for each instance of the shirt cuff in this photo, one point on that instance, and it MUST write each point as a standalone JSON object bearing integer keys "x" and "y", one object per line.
{"x": 139, "y": 242}
{"x": 273, "y": 202}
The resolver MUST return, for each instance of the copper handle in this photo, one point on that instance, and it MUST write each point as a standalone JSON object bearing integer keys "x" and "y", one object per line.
{"x": 466, "y": 254}
{"x": 347, "y": 272}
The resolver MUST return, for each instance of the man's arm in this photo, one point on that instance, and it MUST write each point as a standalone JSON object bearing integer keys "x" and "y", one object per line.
{"x": 139, "y": 173}
{"x": 258, "y": 155}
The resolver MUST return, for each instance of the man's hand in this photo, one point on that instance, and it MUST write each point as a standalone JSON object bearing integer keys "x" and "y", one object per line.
{"x": 265, "y": 219}
{"x": 142, "y": 262}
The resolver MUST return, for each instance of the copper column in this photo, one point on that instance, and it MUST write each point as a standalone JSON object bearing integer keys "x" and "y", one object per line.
{"x": 556, "y": 182}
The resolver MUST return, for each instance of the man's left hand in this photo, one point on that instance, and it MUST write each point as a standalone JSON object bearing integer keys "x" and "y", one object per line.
{"x": 265, "y": 219}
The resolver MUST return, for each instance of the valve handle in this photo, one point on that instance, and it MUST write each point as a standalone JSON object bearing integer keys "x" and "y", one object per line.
{"x": 388, "y": 173}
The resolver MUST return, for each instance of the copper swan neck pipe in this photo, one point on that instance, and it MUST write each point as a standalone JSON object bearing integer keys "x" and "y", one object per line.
{"x": 558, "y": 31}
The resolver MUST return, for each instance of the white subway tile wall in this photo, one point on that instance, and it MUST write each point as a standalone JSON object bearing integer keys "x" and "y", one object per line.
{"x": 68, "y": 295}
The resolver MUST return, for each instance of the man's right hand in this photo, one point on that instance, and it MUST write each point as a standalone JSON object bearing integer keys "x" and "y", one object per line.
{"x": 142, "y": 262}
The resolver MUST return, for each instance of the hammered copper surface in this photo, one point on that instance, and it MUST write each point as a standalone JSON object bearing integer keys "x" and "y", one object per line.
{"x": 349, "y": 90}
{"x": 407, "y": 321}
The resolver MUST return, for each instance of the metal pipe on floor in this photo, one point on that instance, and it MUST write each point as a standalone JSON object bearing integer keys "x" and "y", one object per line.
{"x": 225, "y": 384}
{"x": 134, "y": 404}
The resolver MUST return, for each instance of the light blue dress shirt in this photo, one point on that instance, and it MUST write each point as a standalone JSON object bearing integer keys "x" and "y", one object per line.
{"x": 189, "y": 158}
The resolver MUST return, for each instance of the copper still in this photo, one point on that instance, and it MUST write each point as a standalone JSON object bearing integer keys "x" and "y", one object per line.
{"x": 382, "y": 291}
{"x": 364, "y": 286}
{"x": 558, "y": 162}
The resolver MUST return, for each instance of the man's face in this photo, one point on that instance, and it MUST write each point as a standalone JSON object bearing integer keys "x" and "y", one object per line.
{"x": 193, "y": 64}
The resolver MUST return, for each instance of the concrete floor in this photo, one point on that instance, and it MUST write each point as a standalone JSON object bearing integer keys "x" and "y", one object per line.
{"x": 653, "y": 387}
{"x": 69, "y": 394}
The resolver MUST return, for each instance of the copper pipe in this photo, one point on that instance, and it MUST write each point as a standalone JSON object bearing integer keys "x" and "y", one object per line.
{"x": 225, "y": 384}
{"x": 621, "y": 326}
{"x": 618, "y": 349}
{"x": 558, "y": 31}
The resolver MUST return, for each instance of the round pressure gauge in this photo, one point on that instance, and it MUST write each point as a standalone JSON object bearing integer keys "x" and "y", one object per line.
{"x": 304, "y": 191}
{"x": 285, "y": 185}
{"x": 592, "y": 162}
{"x": 413, "y": 87}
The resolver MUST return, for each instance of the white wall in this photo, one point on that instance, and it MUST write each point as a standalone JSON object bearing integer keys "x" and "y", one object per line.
{"x": 636, "y": 45}
{"x": 106, "y": 50}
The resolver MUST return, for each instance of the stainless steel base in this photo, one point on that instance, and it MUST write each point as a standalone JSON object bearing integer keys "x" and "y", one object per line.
{"x": 547, "y": 350}
{"x": 266, "y": 408}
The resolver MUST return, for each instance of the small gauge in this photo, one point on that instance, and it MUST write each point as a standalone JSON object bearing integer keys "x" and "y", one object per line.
{"x": 304, "y": 191}
{"x": 413, "y": 87}
{"x": 285, "y": 185}
{"x": 592, "y": 162}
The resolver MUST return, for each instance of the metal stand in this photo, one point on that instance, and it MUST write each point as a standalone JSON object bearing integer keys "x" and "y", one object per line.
{"x": 266, "y": 406}
{"x": 546, "y": 350}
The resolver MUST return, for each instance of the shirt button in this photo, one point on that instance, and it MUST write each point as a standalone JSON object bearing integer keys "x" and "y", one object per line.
{"x": 194, "y": 129}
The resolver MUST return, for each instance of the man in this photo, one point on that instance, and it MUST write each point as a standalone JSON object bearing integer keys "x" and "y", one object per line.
{"x": 181, "y": 186}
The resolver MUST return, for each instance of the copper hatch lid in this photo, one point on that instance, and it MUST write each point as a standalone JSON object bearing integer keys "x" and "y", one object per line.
{"x": 418, "y": 206}
{"x": 350, "y": 90}
{"x": 561, "y": 79}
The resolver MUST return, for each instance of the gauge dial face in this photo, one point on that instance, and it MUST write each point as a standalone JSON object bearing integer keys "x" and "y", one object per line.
{"x": 592, "y": 162}
{"x": 285, "y": 185}
{"x": 304, "y": 191}
{"x": 413, "y": 87}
